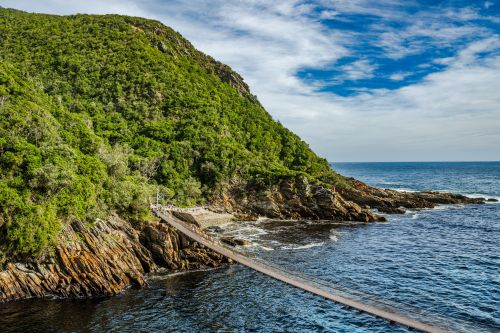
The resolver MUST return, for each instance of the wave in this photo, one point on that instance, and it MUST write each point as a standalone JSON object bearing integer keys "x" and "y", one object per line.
{"x": 334, "y": 234}
{"x": 448, "y": 206}
{"x": 470, "y": 195}
{"x": 303, "y": 247}
{"x": 164, "y": 274}
{"x": 402, "y": 189}
{"x": 247, "y": 231}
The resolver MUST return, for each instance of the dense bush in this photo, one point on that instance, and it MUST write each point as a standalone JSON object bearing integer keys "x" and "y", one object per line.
{"x": 97, "y": 113}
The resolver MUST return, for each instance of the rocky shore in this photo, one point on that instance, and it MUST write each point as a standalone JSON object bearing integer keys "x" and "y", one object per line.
{"x": 297, "y": 198}
{"x": 396, "y": 202}
{"x": 104, "y": 259}
{"x": 111, "y": 255}
{"x": 292, "y": 198}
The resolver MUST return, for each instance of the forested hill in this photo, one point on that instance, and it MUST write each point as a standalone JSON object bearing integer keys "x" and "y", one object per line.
{"x": 97, "y": 113}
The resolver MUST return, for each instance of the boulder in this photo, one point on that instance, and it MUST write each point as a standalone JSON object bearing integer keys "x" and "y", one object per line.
{"x": 235, "y": 241}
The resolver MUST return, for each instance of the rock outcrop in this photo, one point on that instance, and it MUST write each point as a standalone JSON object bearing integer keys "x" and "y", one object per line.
{"x": 103, "y": 259}
{"x": 297, "y": 198}
{"x": 396, "y": 202}
{"x": 292, "y": 198}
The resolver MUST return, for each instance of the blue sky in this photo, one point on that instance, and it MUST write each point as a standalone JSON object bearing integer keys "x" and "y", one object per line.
{"x": 359, "y": 80}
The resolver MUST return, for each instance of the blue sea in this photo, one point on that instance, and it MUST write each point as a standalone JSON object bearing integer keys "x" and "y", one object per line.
{"x": 443, "y": 261}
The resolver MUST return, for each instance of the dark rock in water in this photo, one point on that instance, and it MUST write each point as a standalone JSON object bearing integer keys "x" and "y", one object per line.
{"x": 241, "y": 242}
{"x": 215, "y": 228}
{"x": 492, "y": 200}
{"x": 395, "y": 202}
{"x": 235, "y": 241}
{"x": 228, "y": 241}
{"x": 103, "y": 260}
{"x": 392, "y": 210}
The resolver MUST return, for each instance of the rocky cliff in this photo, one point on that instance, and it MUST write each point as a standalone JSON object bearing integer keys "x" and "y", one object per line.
{"x": 297, "y": 198}
{"x": 104, "y": 259}
{"x": 291, "y": 198}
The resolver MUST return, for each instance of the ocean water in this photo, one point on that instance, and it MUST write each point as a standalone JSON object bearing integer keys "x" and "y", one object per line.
{"x": 444, "y": 261}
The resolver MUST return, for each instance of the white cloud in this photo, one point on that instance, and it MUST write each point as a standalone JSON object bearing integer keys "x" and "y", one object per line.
{"x": 398, "y": 76}
{"x": 452, "y": 114}
{"x": 424, "y": 34}
{"x": 328, "y": 14}
{"x": 63, "y": 7}
{"x": 357, "y": 70}
{"x": 388, "y": 9}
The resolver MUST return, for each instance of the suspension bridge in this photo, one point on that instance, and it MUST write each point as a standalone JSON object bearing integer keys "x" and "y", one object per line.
{"x": 351, "y": 299}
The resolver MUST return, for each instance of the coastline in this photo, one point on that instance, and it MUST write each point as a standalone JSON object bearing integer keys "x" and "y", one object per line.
{"x": 112, "y": 255}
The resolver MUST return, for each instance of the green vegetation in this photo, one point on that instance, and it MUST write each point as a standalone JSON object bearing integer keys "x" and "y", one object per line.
{"x": 97, "y": 113}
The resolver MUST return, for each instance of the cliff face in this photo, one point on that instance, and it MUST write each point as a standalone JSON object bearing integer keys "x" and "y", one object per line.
{"x": 297, "y": 198}
{"x": 104, "y": 259}
{"x": 292, "y": 198}
{"x": 111, "y": 255}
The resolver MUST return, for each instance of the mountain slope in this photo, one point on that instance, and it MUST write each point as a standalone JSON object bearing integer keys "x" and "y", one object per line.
{"x": 100, "y": 112}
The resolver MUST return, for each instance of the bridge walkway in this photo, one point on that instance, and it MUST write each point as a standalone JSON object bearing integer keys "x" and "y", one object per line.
{"x": 389, "y": 314}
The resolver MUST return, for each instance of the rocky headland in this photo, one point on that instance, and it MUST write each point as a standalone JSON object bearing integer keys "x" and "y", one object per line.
{"x": 297, "y": 198}
{"x": 397, "y": 202}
